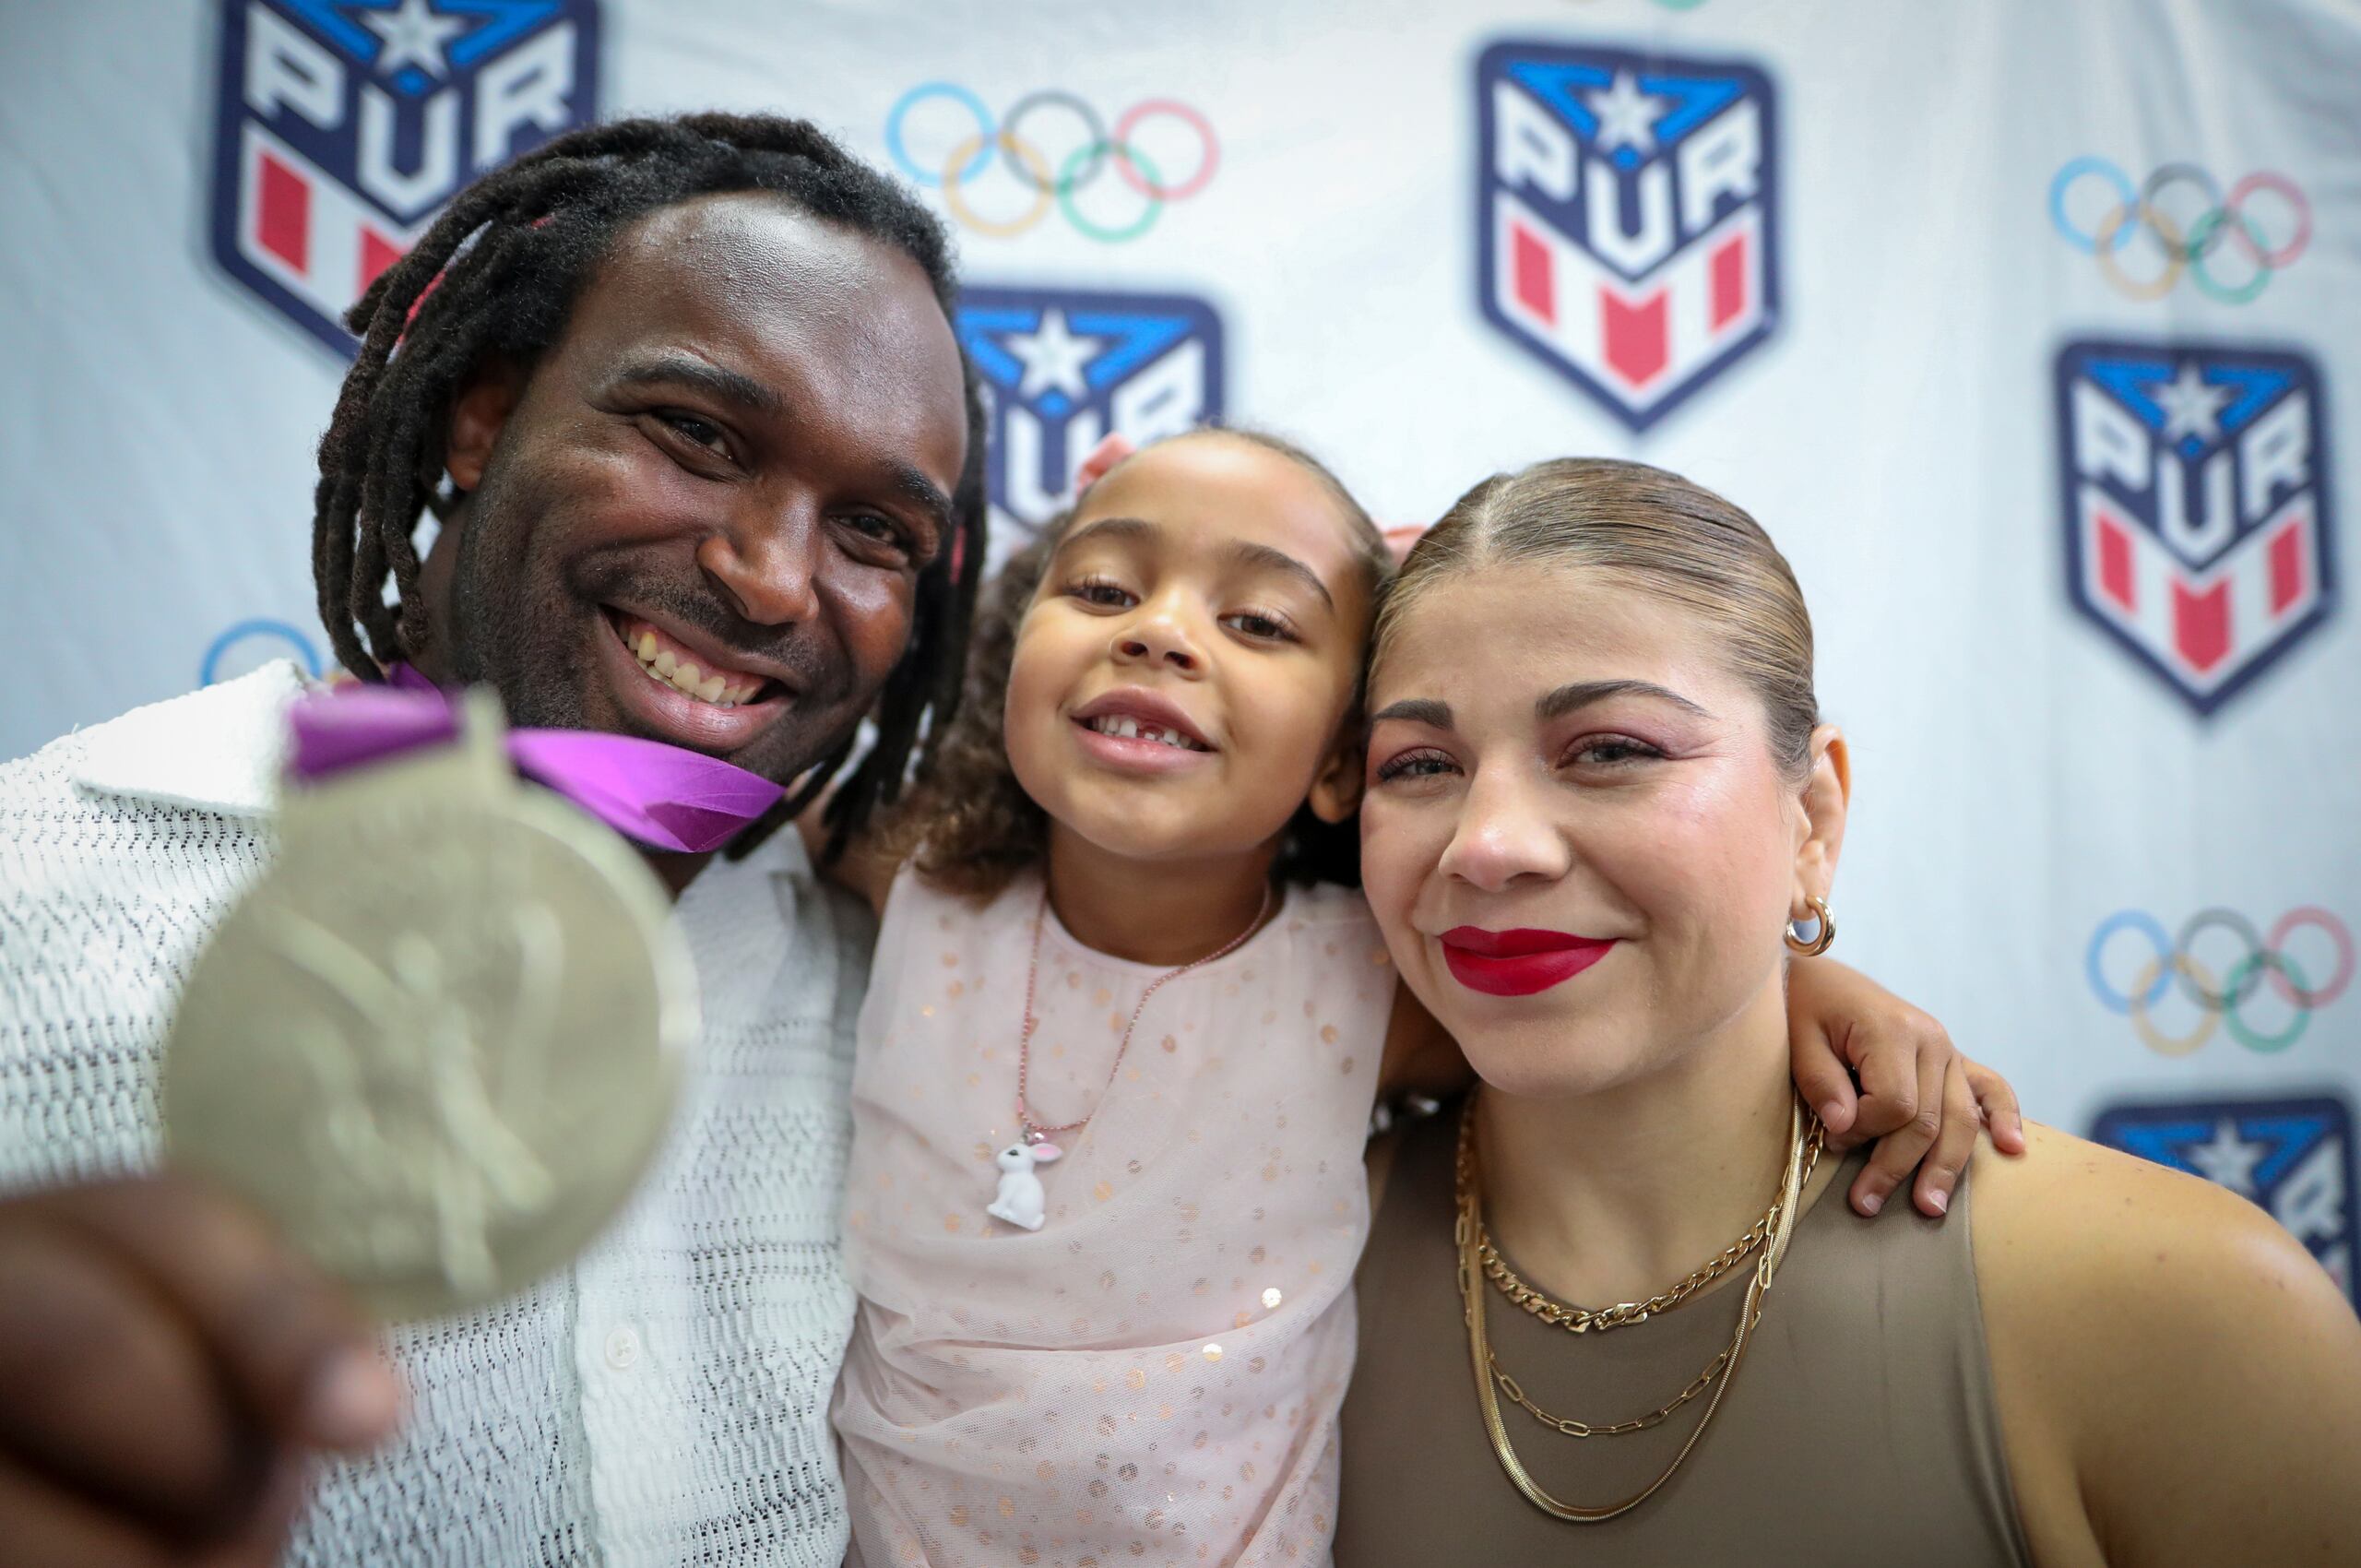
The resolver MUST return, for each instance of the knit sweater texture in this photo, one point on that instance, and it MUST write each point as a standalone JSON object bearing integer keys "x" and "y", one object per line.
{"x": 662, "y": 1401}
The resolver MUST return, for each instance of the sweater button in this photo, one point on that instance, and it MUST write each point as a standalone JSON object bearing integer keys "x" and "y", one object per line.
{"x": 622, "y": 1349}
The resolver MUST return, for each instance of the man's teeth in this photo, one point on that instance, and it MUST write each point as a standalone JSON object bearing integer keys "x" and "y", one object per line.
{"x": 663, "y": 665}
{"x": 1133, "y": 730}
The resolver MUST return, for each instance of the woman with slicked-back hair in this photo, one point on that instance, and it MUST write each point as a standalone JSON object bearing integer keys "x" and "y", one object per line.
{"x": 1608, "y": 1309}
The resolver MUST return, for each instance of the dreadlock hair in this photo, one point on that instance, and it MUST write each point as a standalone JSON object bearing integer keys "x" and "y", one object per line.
{"x": 498, "y": 275}
{"x": 969, "y": 828}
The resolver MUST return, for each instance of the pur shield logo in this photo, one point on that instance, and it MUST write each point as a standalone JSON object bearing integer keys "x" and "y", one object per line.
{"x": 342, "y": 127}
{"x": 1064, "y": 368}
{"x": 1627, "y": 217}
{"x": 2195, "y": 497}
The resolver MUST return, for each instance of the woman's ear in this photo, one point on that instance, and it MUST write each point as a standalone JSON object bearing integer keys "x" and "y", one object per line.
{"x": 1827, "y": 791}
{"x": 1336, "y": 793}
{"x": 478, "y": 415}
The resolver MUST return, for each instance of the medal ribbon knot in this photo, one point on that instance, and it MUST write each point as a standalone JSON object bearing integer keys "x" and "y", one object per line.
{"x": 666, "y": 797}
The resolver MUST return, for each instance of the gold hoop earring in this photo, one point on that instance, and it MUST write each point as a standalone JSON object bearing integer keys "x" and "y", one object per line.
{"x": 1821, "y": 939}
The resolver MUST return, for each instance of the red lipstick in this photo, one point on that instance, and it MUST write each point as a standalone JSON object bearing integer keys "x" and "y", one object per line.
{"x": 1517, "y": 962}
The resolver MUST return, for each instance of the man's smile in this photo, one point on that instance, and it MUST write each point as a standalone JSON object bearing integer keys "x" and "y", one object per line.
{"x": 682, "y": 692}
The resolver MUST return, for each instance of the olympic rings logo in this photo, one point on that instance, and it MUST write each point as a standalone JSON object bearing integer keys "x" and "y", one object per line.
{"x": 251, "y": 644}
{"x": 2189, "y": 243}
{"x": 2171, "y": 963}
{"x": 1052, "y": 181}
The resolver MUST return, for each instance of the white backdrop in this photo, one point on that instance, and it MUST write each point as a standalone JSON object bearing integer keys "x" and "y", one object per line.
{"x": 1841, "y": 251}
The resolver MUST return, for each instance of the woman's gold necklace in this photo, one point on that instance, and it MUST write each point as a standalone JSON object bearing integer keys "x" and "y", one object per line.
{"x": 1767, "y": 1241}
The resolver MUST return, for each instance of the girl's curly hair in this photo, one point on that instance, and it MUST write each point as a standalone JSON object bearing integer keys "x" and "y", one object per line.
{"x": 969, "y": 827}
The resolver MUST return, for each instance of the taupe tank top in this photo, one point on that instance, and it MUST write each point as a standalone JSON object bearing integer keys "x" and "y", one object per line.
{"x": 1860, "y": 1428}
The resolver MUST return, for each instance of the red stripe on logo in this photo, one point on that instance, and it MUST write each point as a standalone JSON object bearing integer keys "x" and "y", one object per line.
{"x": 2115, "y": 578}
{"x": 1536, "y": 279}
{"x": 2202, "y": 623}
{"x": 283, "y": 214}
{"x": 1729, "y": 280}
{"x": 377, "y": 253}
{"x": 1636, "y": 344}
{"x": 2287, "y": 566}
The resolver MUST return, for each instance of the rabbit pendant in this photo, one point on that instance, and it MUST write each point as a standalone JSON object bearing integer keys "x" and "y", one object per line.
{"x": 1020, "y": 1200}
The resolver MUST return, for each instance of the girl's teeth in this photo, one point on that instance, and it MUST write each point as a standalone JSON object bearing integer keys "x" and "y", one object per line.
{"x": 1131, "y": 730}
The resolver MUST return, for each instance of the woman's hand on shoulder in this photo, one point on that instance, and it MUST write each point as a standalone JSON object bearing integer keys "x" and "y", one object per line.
{"x": 2171, "y": 1365}
{"x": 1874, "y": 1066}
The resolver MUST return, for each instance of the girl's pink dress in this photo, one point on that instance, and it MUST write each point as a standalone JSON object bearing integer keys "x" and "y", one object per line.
{"x": 1154, "y": 1377}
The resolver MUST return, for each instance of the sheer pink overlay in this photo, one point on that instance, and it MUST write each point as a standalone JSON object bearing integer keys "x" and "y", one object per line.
{"x": 1154, "y": 1377}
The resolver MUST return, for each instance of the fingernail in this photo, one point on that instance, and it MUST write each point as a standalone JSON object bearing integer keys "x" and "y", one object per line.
{"x": 1939, "y": 1201}
{"x": 1871, "y": 1202}
{"x": 1831, "y": 1111}
{"x": 353, "y": 1400}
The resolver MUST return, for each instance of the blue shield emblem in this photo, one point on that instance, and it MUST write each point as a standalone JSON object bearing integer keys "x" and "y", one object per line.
{"x": 1062, "y": 368}
{"x": 342, "y": 127}
{"x": 2196, "y": 505}
{"x": 1627, "y": 217}
{"x": 2294, "y": 1157}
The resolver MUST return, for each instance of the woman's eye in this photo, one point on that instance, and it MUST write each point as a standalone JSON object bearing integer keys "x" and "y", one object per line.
{"x": 1606, "y": 750}
{"x": 869, "y": 525}
{"x": 1256, "y": 624}
{"x": 1414, "y": 764}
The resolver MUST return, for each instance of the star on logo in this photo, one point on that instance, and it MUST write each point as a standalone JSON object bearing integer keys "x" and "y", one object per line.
{"x": 1626, "y": 116}
{"x": 413, "y": 35}
{"x": 1053, "y": 358}
{"x": 2192, "y": 408}
{"x": 2228, "y": 1159}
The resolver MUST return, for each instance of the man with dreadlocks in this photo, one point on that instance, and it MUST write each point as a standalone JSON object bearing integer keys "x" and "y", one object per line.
{"x": 680, "y": 392}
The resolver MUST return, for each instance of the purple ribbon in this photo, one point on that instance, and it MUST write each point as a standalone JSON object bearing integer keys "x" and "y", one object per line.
{"x": 667, "y": 797}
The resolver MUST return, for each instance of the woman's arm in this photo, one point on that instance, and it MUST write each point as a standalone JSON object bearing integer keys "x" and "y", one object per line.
{"x": 2179, "y": 1381}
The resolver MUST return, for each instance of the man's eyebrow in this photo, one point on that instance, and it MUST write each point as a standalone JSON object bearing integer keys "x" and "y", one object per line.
{"x": 1416, "y": 710}
{"x": 1582, "y": 693}
{"x": 910, "y": 483}
{"x": 728, "y": 384}
{"x": 1244, "y": 552}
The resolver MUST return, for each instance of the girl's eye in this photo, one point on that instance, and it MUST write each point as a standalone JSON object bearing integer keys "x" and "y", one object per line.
{"x": 1416, "y": 765}
{"x": 1609, "y": 751}
{"x": 1255, "y": 623}
{"x": 1103, "y": 591}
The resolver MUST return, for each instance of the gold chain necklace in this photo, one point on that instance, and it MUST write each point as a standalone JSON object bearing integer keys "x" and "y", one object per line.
{"x": 1804, "y": 1140}
{"x": 1584, "y": 1319}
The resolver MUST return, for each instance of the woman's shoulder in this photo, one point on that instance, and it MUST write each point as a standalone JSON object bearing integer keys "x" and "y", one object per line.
{"x": 2106, "y": 1225}
{"x": 2133, "y": 1313}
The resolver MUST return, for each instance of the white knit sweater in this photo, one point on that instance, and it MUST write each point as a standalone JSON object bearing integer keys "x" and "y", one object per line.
{"x": 663, "y": 1401}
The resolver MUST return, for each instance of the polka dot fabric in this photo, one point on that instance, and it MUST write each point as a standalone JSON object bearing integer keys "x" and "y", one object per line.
{"x": 1154, "y": 1375}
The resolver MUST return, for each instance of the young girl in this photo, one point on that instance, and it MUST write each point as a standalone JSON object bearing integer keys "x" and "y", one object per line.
{"x": 1121, "y": 1045}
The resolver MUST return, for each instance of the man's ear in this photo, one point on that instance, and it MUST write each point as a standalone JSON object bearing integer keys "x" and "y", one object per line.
{"x": 1827, "y": 793}
{"x": 1336, "y": 793}
{"x": 478, "y": 415}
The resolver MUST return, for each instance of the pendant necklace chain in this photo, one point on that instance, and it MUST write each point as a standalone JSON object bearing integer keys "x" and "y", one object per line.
{"x": 1036, "y": 1132}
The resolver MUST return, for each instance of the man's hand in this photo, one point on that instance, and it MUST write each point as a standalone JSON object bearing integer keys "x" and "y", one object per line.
{"x": 1918, "y": 1097}
{"x": 166, "y": 1370}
